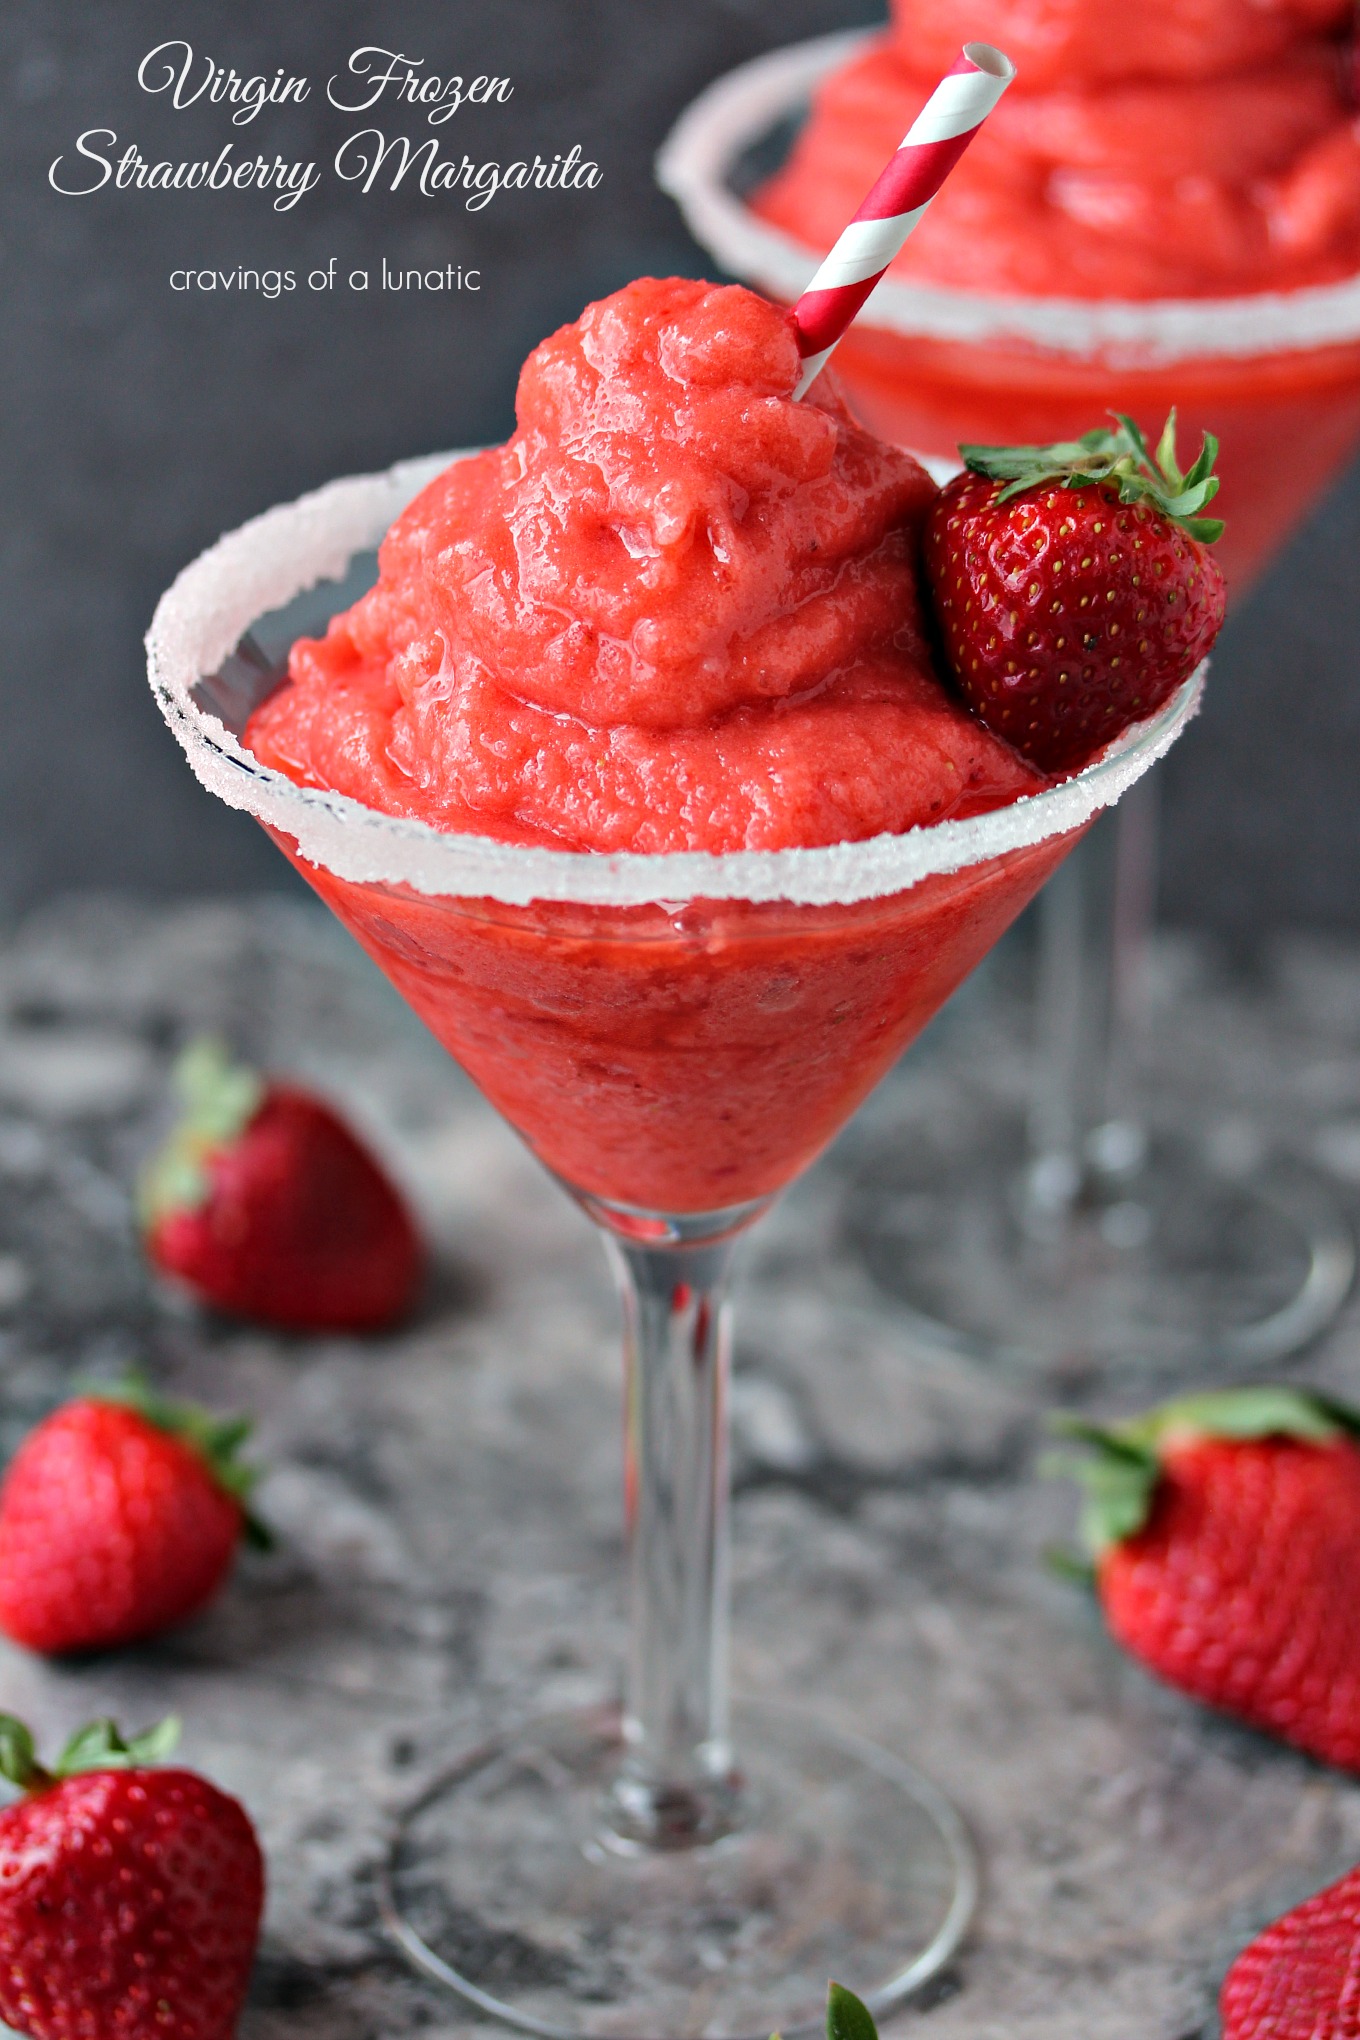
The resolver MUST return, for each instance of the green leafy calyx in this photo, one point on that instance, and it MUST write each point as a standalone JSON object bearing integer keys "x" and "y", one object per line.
{"x": 219, "y": 1098}
{"x": 1115, "y": 458}
{"x": 99, "y": 1746}
{"x": 848, "y": 2017}
{"x": 1120, "y": 1470}
{"x": 216, "y": 1439}
{"x": 18, "y": 1758}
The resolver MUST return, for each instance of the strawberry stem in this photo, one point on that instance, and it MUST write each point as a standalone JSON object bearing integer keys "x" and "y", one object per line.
{"x": 848, "y": 2017}
{"x": 1120, "y": 1472}
{"x": 99, "y": 1746}
{"x": 220, "y": 1099}
{"x": 216, "y": 1439}
{"x": 1267, "y": 1411}
{"x": 1115, "y": 459}
{"x": 1117, "y": 1480}
{"x": 18, "y": 1758}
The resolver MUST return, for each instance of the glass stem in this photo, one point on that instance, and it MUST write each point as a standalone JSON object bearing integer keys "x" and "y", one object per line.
{"x": 677, "y": 1786}
{"x": 1086, "y": 1134}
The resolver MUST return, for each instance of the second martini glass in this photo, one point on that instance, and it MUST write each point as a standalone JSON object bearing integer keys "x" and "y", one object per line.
{"x": 675, "y": 1037}
{"x": 1064, "y": 1238}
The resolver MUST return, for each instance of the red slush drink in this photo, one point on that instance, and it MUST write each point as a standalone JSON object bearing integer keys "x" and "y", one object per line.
{"x": 635, "y": 774}
{"x": 1161, "y": 161}
{"x": 687, "y": 1061}
{"x": 677, "y": 612}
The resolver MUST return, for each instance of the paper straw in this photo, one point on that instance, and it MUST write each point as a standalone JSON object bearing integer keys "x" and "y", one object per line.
{"x": 937, "y": 138}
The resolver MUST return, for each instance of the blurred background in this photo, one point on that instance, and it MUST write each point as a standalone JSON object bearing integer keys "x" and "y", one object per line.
{"x": 139, "y": 422}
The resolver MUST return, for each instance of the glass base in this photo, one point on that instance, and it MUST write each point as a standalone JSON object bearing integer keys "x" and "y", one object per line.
{"x": 1164, "y": 1263}
{"x": 508, "y": 1885}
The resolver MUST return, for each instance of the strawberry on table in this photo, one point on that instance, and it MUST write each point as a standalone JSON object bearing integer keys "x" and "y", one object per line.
{"x": 264, "y": 1204}
{"x": 1300, "y": 1979}
{"x": 1225, "y": 1530}
{"x": 1073, "y": 585}
{"x": 130, "y": 1897}
{"x": 119, "y": 1517}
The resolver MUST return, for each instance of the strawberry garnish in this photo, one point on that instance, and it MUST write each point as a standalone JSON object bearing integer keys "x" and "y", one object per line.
{"x": 264, "y": 1204}
{"x": 1225, "y": 1531}
{"x": 119, "y": 1517}
{"x": 130, "y": 1897}
{"x": 1073, "y": 586}
{"x": 1300, "y": 1979}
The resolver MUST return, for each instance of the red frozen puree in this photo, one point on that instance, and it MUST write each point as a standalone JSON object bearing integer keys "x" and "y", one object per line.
{"x": 1088, "y": 42}
{"x": 677, "y": 611}
{"x": 691, "y": 1058}
{"x": 1177, "y": 148}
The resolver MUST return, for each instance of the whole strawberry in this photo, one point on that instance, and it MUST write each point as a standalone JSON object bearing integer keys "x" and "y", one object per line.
{"x": 264, "y": 1204}
{"x": 130, "y": 1898}
{"x": 1226, "y": 1535}
{"x": 119, "y": 1517}
{"x": 1073, "y": 587}
{"x": 1300, "y": 1979}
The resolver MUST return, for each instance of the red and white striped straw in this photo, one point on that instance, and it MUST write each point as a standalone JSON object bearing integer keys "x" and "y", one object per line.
{"x": 937, "y": 138}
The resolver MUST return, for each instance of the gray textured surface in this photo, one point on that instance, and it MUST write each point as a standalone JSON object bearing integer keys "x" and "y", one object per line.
{"x": 139, "y": 425}
{"x": 449, "y": 1499}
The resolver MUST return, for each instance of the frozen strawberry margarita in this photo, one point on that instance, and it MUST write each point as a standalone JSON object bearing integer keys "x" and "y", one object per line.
{"x": 1161, "y": 151}
{"x": 676, "y": 611}
{"x": 636, "y": 774}
{"x": 1148, "y": 161}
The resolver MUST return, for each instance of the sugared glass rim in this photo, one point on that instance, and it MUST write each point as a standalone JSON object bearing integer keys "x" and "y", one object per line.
{"x": 696, "y": 160}
{"x": 266, "y": 563}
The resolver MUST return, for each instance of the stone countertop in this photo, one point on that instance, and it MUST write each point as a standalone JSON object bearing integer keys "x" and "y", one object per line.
{"x": 448, "y": 1500}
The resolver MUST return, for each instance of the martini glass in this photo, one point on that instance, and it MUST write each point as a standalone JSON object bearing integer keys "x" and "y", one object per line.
{"x": 675, "y": 1037}
{"x": 1065, "y": 1236}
